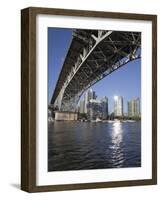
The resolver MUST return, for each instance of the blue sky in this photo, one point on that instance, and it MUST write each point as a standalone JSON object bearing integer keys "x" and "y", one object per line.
{"x": 125, "y": 82}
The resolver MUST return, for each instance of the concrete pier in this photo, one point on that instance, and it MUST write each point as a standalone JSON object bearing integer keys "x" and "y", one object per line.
{"x": 66, "y": 116}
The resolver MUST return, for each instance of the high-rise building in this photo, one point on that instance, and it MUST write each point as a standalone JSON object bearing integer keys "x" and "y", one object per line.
{"x": 118, "y": 106}
{"x": 130, "y": 105}
{"x": 104, "y": 102}
{"x": 81, "y": 109}
{"x": 134, "y": 108}
{"x": 90, "y": 94}
{"x": 94, "y": 109}
{"x": 138, "y": 112}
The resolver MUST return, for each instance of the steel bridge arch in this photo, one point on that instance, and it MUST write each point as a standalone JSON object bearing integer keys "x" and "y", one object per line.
{"x": 100, "y": 54}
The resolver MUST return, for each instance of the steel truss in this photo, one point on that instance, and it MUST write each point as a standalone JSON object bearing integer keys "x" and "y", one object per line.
{"x": 99, "y": 54}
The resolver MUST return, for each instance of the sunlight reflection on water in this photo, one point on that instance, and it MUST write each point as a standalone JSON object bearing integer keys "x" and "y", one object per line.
{"x": 117, "y": 150}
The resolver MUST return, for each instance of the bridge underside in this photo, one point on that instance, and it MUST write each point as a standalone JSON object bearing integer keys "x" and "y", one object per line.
{"x": 92, "y": 55}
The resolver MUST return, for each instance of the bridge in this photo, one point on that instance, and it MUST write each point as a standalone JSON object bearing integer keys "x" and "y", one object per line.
{"x": 92, "y": 55}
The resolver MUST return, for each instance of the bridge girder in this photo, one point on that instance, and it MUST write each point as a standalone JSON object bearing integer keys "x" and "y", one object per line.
{"x": 100, "y": 54}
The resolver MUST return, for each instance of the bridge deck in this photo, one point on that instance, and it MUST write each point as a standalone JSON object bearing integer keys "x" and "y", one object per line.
{"x": 91, "y": 56}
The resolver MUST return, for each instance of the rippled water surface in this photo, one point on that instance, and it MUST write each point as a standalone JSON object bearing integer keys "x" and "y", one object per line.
{"x": 85, "y": 145}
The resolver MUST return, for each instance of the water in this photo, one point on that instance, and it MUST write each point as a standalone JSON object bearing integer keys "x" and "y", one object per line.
{"x": 84, "y": 145}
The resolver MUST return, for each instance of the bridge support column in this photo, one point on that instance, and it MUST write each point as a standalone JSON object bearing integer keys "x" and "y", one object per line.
{"x": 66, "y": 116}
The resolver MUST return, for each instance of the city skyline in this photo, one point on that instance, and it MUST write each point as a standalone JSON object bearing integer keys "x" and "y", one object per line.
{"x": 114, "y": 84}
{"x": 118, "y": 104}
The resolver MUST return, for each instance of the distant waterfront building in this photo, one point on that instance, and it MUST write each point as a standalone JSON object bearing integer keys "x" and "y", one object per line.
{"x": 118, "y": 106}
{"x": 81, "y": 109}
{"x": 104, "y": 102}
{"x": 90, "y": 94}
{"x": 138, "y": 110}
{"x": 134, "y": 108}
{"x": 94, "y": 109}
